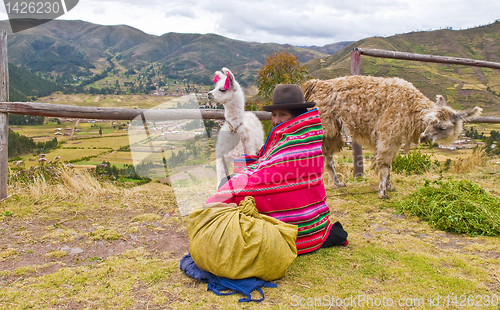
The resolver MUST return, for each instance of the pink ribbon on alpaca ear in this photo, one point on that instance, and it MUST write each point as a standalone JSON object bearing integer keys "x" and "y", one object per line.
{"x": 216, "y": 78}
{"x": 227, "y": 83}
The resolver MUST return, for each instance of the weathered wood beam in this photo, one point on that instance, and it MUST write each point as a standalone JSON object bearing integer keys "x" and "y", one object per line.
{"x": 4, "y": 117}
{"x": 68, "y": 111}
{"x": 428, "y": 58}
{"x": 358, "y": 169}
{"x": 488, "y": 120}
{"x": 60, "y": 110}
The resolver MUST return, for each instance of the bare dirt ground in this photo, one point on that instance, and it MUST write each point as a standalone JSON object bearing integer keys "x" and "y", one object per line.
{"x": 68, "y": 232}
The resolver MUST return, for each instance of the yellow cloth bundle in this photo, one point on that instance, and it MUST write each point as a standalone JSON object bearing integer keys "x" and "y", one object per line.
{"x": 239, "y": 242}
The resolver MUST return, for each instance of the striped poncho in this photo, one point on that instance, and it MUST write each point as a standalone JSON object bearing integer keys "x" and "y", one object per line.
{"x": 286, "y": 180}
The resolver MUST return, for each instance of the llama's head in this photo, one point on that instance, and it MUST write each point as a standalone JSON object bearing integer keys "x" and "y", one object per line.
{"x": 226, "y": 88}
{"x": 444, "y": 124}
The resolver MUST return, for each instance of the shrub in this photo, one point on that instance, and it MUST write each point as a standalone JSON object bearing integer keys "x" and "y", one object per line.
{"x": 412, "y": 163}
{"x": 47, "y": 170}
{"x": 455, "y": 206}
{"x": 109, "y": 172}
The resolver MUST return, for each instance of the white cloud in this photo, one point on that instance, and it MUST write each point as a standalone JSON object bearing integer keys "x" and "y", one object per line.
{"x": 181, "y": 12}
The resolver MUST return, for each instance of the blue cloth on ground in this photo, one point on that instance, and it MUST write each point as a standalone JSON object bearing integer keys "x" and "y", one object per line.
{"x": 217, "y": 284}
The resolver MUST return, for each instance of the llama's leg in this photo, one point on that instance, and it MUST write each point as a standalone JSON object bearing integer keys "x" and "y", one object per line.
{"x": 329, "y": 148}
{"x": 384, "y": 171}
{"x": 406, "y": 148}
{"x": 219, "y": 165}
{"x": 389, "y": 186}
{"x": 385, "y": 155}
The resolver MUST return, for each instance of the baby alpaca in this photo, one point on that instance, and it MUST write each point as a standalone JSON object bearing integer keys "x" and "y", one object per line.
{"x": 242, "y": 131}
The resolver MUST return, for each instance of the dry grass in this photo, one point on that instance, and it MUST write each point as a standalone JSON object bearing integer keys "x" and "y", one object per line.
{"x": 477, "y": 160}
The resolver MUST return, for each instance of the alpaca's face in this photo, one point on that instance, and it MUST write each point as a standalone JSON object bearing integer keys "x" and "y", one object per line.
{"x": 224, "y": 89}
{"x": 446, "y": 125}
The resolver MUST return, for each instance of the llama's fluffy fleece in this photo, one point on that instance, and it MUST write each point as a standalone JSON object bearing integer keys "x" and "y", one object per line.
{"x": 381, "y": 113}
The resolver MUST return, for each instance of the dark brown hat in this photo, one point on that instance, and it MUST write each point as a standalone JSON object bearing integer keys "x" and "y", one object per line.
{"x": 288, "y": 96}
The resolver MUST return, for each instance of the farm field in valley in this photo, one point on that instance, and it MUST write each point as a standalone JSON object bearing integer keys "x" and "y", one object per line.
{"x": 108, "y": 101}
{"x": 117, "y": 144}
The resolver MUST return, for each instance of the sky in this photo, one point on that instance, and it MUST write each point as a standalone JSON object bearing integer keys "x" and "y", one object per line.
{"x": 296, "y": 22}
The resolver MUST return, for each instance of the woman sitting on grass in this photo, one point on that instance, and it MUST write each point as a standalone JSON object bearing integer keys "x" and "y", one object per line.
{"x": 286, "y": 176}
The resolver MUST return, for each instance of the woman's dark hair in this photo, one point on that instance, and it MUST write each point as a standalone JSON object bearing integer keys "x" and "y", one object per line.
{"x": 297, "y": 112}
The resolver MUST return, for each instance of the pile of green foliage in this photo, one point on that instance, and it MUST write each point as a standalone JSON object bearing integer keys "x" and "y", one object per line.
{"x": 455, "y": 206}
{"x": 412, "y": 163}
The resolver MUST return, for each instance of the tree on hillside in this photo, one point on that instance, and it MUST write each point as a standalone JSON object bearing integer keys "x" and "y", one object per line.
{"x": 19, "y": 145}
{"x": 18, "y": 119}
{"x": 279, "y": 68}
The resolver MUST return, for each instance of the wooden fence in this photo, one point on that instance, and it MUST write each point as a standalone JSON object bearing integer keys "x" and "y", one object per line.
{"x": 357, "y": 151}
{"x": 57, "y": 110}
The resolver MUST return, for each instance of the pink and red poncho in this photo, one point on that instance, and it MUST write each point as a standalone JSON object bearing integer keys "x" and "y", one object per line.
{"x": 286, "y": 180}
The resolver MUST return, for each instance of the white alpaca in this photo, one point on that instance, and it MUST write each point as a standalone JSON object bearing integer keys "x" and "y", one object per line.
{"x": 242, "y": 131}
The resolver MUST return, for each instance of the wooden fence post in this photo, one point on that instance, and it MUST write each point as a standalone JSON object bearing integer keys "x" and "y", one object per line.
{"x": 4, "y": 117}
{"x": 357, "y": 150}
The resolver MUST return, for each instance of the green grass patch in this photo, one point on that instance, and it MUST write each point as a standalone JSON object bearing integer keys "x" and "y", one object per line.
{"x": 93, "y": 163}
{"x": 102, "y": 233}
{"x": 414, "y": 162}
{"x": 456, "y": 206}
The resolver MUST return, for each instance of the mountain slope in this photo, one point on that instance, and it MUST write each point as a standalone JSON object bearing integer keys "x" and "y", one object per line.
{"x": 62, "y": 46}
{"x": 329, "y": 48}
{"x": 75, "y": 48}
{"x": 24, "y": 85}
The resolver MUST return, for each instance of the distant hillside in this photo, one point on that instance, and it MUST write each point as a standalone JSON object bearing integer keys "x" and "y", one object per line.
{"x": 74, "y": 47}
{"x": 462, "y": 86}
{"x": 26, "y": 86}
{"x": 329, "y": 49}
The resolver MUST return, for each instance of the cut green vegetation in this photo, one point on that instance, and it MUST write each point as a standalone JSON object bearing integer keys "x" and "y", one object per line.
{"x": 457, "y": 206}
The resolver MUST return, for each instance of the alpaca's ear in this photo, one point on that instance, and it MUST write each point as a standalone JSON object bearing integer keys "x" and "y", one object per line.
{"x": 440, "y": 101}
{"x": 229, "y": 74}
{"x": 229, "y": 78}
{"x": 468, "y": 115}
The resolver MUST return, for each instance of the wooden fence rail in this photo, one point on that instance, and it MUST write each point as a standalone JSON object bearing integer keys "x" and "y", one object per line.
{"x": 68, "y": 111}
{"x": 427, "y": 58}
{"x": 61, "y": 110}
